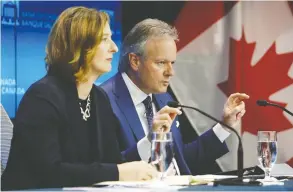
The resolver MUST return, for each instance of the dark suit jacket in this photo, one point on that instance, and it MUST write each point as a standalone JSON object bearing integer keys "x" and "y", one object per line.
{"x": 45, "y": 149}
{"x": 192, "y": 158}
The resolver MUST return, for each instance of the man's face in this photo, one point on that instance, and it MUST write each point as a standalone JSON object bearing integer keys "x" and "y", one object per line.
{"x": 155, "y": 68}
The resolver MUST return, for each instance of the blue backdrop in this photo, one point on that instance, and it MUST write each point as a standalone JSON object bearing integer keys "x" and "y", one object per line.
{"x": 23, "y": 43}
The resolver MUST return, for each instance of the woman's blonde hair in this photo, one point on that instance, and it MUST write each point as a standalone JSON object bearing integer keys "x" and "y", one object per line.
{"x": 74, "y": 39}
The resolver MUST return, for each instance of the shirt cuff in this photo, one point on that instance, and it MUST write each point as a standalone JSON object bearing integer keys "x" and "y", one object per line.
{"x": 144, "y": 149}
{"x": 220, "y": 132}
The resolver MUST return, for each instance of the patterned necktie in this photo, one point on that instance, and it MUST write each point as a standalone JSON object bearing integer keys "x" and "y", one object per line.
{"x": 149, "y": 111}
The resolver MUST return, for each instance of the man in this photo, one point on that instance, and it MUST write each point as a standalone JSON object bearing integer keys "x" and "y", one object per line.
{"x": 138, "y": 90}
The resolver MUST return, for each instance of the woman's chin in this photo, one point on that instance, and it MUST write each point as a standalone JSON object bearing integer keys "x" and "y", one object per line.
{"x": 108, "y": 69}
{"x": 104, "y": 70}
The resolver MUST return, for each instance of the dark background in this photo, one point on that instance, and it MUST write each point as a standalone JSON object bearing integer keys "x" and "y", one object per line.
{"x": 135, "y": 11}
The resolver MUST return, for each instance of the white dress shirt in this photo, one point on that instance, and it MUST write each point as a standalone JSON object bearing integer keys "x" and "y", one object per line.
{"x": 144, "y": 145}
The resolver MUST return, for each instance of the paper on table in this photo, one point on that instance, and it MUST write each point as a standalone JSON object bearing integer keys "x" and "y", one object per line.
{"x": 195, "y": 180}
{"x": 168, "y": 181}
{"x": 282, "y": 170}
{"x": 79, "y": 189}
{"x": 178, "y": 180}
{"x": 205, "y": 179}
{"x": 277, "y": 171}
{"x": 121, "y": 189}
{"x": 136, "y": 184}
{"x": 213, "y": 177}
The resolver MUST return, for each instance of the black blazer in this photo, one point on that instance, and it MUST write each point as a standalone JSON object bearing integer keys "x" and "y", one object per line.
{"x": 45, "y": 148}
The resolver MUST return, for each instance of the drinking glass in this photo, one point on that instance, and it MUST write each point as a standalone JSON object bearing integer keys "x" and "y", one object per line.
{"x": 162, "y": 152}
{"x": 267, "y": 151}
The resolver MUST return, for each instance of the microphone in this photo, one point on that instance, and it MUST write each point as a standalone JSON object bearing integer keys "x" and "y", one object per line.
{"x": 264, "y": 103}
{"x": 175, "y": 104}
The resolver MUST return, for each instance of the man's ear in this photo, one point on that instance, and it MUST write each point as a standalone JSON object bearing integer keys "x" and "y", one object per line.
{"x": 134, "y": 61}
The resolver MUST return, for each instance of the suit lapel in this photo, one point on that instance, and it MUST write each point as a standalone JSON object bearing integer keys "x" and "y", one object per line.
{"x": 99, "y": 128}
{"x": 125, "y": 103}
{"x": 73, "y": 110}
{"x": 159, "y": 102}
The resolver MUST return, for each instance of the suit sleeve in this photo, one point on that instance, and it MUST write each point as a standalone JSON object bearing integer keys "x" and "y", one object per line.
{"x": 38, "y": 127}
{"x": 203, "y": 151}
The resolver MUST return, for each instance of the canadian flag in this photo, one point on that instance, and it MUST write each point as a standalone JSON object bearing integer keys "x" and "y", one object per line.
{"x": 228, "y": 47}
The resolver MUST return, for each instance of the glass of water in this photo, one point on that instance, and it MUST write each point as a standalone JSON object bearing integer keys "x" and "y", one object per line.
{"x": 267, "y": 151}
{"x": 162, "y": 152}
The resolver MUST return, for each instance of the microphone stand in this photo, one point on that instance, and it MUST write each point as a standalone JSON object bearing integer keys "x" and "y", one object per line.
{"x": 240, "y": 146}
{"x": 264, "y": 103}
{"x": 233, "y": 181}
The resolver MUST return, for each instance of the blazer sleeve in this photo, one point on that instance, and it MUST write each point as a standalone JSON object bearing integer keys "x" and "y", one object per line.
{"x": 38, "y": 122}
{"x": 203, "y": 151}
{"x": 131, "y": 154}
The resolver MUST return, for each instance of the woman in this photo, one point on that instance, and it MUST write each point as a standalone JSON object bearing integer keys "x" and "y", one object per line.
{"x": 65, "y": 130}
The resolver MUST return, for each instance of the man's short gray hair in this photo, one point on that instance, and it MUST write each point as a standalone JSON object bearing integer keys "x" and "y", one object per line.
{"x": 136, "y": 39}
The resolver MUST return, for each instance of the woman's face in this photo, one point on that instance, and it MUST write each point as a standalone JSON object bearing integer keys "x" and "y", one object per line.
{"x": 104, "y": 54}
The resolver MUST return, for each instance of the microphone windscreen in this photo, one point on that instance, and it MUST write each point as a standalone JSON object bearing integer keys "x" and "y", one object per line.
{"x": 261, "y": 102}
{"x": 173, "y": 104}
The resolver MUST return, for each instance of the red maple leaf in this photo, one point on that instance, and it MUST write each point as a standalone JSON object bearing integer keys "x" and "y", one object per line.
{"x": 268, "y": 76}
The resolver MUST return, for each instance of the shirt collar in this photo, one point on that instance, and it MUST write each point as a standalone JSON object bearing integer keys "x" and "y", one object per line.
{"x": 136, "y": 94}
